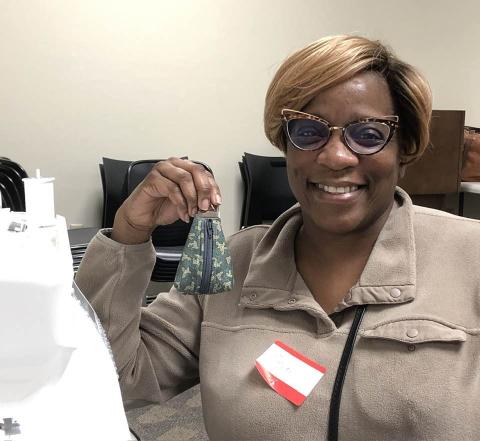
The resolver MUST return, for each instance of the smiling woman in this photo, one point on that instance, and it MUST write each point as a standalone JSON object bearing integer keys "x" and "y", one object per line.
{"x": 341, "y": 323}
{"x": 319, "y": 176}
{"x": 346, "y": 144}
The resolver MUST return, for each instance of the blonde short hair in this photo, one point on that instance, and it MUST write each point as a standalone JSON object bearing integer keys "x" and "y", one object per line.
{"x": 333, "y": 60}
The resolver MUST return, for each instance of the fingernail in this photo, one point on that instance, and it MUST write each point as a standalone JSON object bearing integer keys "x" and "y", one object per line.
{"x": 218, "y": 199}
{"x": 204, "y": 204}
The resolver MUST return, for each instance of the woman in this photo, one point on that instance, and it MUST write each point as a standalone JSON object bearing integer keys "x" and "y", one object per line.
{"x": 349, "y": 116}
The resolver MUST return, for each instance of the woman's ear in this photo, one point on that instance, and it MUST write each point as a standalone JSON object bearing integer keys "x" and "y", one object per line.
{"x": 402, "y": 165}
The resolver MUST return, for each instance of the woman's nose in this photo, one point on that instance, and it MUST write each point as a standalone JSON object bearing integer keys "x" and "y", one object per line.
{"x": 335, "y": 154}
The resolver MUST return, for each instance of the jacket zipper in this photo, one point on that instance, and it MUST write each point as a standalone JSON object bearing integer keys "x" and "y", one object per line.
{"x": 207, "y": 257}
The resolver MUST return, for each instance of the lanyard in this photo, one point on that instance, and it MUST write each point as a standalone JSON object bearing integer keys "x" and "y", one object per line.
{"x": 341, "y": 372}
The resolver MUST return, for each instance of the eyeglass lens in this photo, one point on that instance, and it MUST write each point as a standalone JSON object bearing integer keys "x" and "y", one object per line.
{"x": 361, "y": 137}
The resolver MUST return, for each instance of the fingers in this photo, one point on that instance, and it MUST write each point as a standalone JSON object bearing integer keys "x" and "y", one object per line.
{"x": 152, "y": 194}
{"x": 189, "y": 186}
{"x": 215, "y": 195}
{"x": 208, "y": 193}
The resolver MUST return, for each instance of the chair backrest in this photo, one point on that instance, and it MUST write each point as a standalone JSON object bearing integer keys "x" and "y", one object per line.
{"x": 139, "y": 169}
{"x": 7, "y": 200}
{"x": 114, "y": 188}
{"x": 11, "y": 175}
{"x": 104, "y": 190}
{"x": 243, "y": 174}
{"x": 268, "y": 192}
{"x": 15, "y": 166}
{"x": 119, "y": 179}
{"x": 11, "y": 192}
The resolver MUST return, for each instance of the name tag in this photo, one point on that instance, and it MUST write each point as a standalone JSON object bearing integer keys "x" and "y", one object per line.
{"x": 289, "y": 373}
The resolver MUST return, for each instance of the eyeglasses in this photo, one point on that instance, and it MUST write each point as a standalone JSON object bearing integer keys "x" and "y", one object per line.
{"x": 365, "y": 136}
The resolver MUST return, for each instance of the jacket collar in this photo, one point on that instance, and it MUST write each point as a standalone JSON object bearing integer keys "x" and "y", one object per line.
{"x": 388, "y": 278}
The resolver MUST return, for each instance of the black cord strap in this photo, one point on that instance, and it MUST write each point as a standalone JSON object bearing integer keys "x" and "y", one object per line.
{"x": 341, "y": 372}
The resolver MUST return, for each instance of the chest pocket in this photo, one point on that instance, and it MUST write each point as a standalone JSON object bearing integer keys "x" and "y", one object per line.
{"x": 415, "y": 331}
{"x": 411, "y": 378}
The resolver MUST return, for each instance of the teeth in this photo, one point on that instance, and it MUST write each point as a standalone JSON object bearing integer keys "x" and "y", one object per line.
{"x": 337, "y": 190}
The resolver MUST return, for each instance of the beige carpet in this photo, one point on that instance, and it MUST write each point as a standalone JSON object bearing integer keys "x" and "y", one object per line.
{"x": 179, "y": 419}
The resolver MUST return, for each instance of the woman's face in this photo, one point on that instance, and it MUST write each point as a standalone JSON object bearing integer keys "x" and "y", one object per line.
{"x": 335, "y": 165}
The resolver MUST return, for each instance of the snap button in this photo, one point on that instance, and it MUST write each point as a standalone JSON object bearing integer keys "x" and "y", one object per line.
{"x": 395, "y": 293}
{"x": 253, "y": 296}
{"x": 291, "y": 301}
{"x": 411, "y": 348}
{"x": 412, "y": 333}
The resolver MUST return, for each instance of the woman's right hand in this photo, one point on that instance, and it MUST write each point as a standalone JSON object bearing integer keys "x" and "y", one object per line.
{"x": 174, "y": 189}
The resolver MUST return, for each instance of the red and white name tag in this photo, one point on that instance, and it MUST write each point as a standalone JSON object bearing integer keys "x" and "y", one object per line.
{"x": 289, "y": 373}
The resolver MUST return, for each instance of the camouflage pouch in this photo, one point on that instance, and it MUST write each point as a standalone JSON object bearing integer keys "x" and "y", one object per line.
{"x": 205, "y": 266}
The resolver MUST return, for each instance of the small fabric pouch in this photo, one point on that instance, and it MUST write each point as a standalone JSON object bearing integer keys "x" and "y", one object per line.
{"x": 205, "y": 266}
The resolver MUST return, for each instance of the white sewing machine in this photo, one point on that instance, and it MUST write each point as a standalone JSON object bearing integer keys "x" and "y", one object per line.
{"x": 57, "y": 378}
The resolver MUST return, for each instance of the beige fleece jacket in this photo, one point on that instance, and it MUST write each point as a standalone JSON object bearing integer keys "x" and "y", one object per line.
{"x": 415, "y": 369}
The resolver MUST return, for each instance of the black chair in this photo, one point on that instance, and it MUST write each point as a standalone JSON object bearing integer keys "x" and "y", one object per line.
{"x": 243, "y": 174}
{"x": 7, "y": 200}
{"x": 168, "y": 240}
{"x": 15, "y": 166}
{"x": 267, "y": 191}
{"x": 102, "y": 176}
{"x": 13, "y": 193}
{"x": 113, "y": 173}
{"x": 14, "y": 183}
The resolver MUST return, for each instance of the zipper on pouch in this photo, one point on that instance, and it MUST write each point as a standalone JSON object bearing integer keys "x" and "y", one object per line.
{"x": 207, "y": 256}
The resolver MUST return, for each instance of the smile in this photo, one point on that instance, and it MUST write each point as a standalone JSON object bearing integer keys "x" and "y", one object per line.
{"x": 337, "y": 190}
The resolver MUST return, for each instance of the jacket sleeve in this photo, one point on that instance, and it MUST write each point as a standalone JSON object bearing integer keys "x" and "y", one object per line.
{"x": 156, "y": 348}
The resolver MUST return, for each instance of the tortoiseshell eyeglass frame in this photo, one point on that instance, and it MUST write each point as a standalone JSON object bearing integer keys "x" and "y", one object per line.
{"x": 391, "y": 121}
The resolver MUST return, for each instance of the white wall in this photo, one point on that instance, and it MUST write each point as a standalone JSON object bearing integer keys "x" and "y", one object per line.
{"x": 82, "y": 79}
